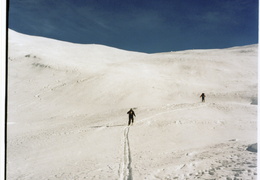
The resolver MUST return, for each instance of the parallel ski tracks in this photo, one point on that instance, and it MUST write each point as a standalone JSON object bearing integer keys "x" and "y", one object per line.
{"x": 125, "y": 171}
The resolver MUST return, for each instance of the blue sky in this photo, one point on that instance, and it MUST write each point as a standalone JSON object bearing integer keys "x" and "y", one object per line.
{"x": 140, "y": 25}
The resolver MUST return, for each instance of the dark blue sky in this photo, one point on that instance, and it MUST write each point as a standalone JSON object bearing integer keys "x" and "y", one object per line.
{"x": 140, "y": 25}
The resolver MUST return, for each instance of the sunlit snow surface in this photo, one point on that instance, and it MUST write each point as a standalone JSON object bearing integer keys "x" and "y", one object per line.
{"x": 67, "y": 106}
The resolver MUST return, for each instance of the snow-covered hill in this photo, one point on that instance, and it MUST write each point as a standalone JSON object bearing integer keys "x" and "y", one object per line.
{"x": 67, "y": 107}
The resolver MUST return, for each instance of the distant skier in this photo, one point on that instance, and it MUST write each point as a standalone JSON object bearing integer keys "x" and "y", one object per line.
{"x": 131, "y": 114}
{"x": 203, "y": 97}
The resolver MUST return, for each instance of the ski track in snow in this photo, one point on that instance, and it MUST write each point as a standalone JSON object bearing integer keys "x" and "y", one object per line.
{"x": 69, "y": 141}
{"x": 182, "y": 107}
{"x": 126, "y": 169}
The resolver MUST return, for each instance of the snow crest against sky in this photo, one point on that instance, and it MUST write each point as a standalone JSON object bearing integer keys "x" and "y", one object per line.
{"x": 140, "y": 25}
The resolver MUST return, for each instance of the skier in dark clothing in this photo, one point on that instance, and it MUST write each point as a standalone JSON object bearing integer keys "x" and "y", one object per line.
{"x": 131, "y": 114}
{"x": 203, "y": 97}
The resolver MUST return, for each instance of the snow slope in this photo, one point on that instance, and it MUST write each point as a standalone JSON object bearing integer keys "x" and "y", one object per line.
{"x": 67, "y": 107}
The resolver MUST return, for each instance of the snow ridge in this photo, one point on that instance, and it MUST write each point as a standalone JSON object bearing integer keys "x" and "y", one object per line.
{"x": 126, "y": 169}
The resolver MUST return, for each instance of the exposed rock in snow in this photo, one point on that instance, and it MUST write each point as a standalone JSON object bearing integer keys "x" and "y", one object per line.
{"x": 252, "y": 147}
